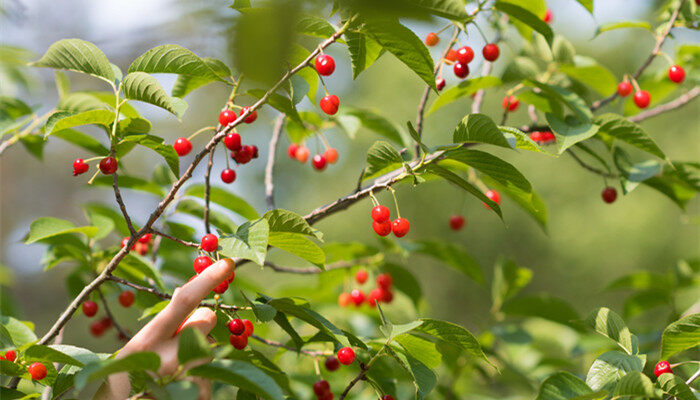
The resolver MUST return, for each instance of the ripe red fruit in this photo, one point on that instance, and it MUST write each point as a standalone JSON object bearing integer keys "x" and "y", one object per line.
{"x": 358, "y": 297}
{"x": 10, "y": 355}
{"x": 97, "y": 328}
{"x": 210, "y": 242}
{"x": 382, "y": 228}
{"x": 385, "y": 281}
{"x": 126, "y": 298}
{"x": 456, "y": 222}
{"x": 250, "y": 118}
{"x": 676, "y": 74}
{"x": 440, "y": 83}
{"x": 386, "y": 295}
{"x": 380, "y": 214}
{"x": 624, "y": 88}
{"x": 451, "y": 55}
{"x": 226, "y": 117}
{"x": 292, "y": 151}
{"x": 642, "y": 99}
{"x": 332, "y": 364}
{"x": 330, "y": 104}
{"x": 228, "y": 175}
{"x": 108, "y": 165}
{"x": 431, "y": 39}
{"x": 510, "y": 103}
{"x": 609, "y": 194}
{"x": 182, "y": 146}
{"x": 324, "y": 64}
{"x": 221, "y": 287}
{"x": 249, "y": 328}
{"x": 400, "y": 227}
{"x": 331, "y": 155}
{"x": 124, "y": 242}
{"x": 387, "y": 397}
{"x": 145, "y": 238}
{"x": 361, "y": 276}
{"x": 663, "y": 367}
{"x": 80, "y": 167}
{"x": 465, "y": 54}
{"x": 37, "y": 371}
{"x": 232, "y": 141}
{"x": 245, "y": 154}
{"x": 344, "y": 299}
{"x": 491, "y": 52}
{"x": 302, "y": 154}
{"x": 89, "y": 308}
{"x": 547, "y": 16}
{"x": 239, "y": 342}
{"x": 321, "y": 387}
{"x": 319, "y": 162}
{"x": 346, "y": 356}
{"x": 461, "y": 70}
{"x": 201, "y": 263}
{"x": 493, "y": 196}
{"x": 236, "y": 326}
{"x": 542, "y": 137}
{"x": 141, "y": 248}
{"x": 374, "y": 296}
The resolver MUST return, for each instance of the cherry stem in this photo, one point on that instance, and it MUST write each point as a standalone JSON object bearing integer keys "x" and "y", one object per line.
{"x": 443, "y": 29}
{"x": 228, "y": 166}
{"x": 325, "y": 90}
{"x": 317, "y": 367}
{"x": 206, "y": 128}
{"x": 636, "y": 85}
{"x": 323, "y": 139}
{"x": 374, "y": 199}
{"x": 668, "y": 58}
{"x": 481, "y": 33}
{"x": 396, "y": 202}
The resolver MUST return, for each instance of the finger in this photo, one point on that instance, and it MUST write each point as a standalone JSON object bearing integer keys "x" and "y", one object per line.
{"x": 187, "y": 298}
{"x": 203, "y": 319}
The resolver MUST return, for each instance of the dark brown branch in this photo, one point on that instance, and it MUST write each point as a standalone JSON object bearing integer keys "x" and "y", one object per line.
{"x": 111, "y": 316}
{"x": 290, "y": 348}
{"x": 336, "y": 265}
{"x": 174, "y": 239}
{"x": 122, "y": 206}
{"x": 352, "y": 383}
{"x": 270, "y": 167}
{"x": 671, "y": 105}
{"x": 207, "y": 190}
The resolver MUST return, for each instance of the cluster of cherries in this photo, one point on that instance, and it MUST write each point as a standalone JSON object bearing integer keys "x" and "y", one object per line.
{"x": 142, "y": 246}
{"x": 209, "y": 244}
{"x": 380, "y": 294}
{"x": 461, "y": 58}
{"x": 325, "y": 65}
{"x": 36, "y": 370}
{"x": 107, "y": 165}
{"x": 241, "y": 330}
{"x": 90, "y": 308}
{"x": 642, "y": 98}
{"x": 345, "y": 356}
{"x": 510, "y": 103}
{"x": 319, "y": 161}
{"x": 383, "y": 225}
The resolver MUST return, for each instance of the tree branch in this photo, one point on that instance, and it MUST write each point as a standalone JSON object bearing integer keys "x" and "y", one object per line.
{"x": 342, "y": 264}
{"x": 269, "y": 168}
{"x": 207, "y": 190}
{"x": 174, "y": 239}
{"x": 352, "y": 383}
{"x": 283, "y": 346}
{"x": 111, "y": 316}
{"x": 590, "y": 168}
{"x": 671, "y": 105}
{"x": 122, "y": 206}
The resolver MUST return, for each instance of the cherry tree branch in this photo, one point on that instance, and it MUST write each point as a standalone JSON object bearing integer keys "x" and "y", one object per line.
{"x": 122, "y": 206}
{"x": 270, "y": 167}
{"x": 364, "y": 368}
{"x": 207, "y": 190}
{"x": 110, "y": 315}
{"x": 590, "y": 168}
{"x": 671, "y": 105}
{"x": 174, "y": 239}
{"x": 272, "y": 343}
{"x": 342, "y": 264}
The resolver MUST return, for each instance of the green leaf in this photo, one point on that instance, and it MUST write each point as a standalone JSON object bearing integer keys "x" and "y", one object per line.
{"x": 376, "y": 123}
{"x": 249, "y": 242}
{"x": 81, "y": 140}
{"x": 130, "y": 182}
{"x": 594, "y": 75}
{"x": 381, "y": 158}
{"x": 288, "y": 221}
{"x": 240, "y": 374}
{"x": 570, "y": 131}
{"x": 421, "y": 349}
{"x": 77, "y": 55}
{"x": 492, "y": 166}
{"x": 225, "y": 199}
{"x": 34, "y": 145}
{"x": 610, "y": 366}
{"x": 312, "y": 25}
{"x": 47, "y": 227}
{"x": 299, "y": 245}
{"x": 623, "y": 24}
{"x": 63, "y": 120}
{"x": 364, "y": 51}
{"x": 404, "y": 45}
{"x": 173, "y": 59}
{"x": 143, "y": 87}
{"x": 287, "y": 306}
{"x": 523, "y": 15}
{"x": 20, "y": 332}
{"x": 587, "y": 4}
{"x": 451, "y": 9}
{"x": 635, "y": 384}
{"x": 563, "y": 386}
{"x": 675, "y": 386}
{"x": 623, "y": 129}
{"x": 479, "y": 128}
{"x": 145, "y": 361}
{"x": 417, "y": 137}
{"x": 423, "y": 377}
{"x": 532, "y": 203}
{"x": 297, "y": 55}
{"x": 457, "y": 180}
{"x": 278, "y": 102}
{"x": 680, "y": 335}
{"x": 156, "y": 144}
{"x": 404, "y": 281}
{"x": 187, "y": 83}
{"x": 107, "y": 212}
{"x": 192, "y": 345}
{"x": 144, "y": 268}
{"x": 543, "y": 306}
{"x": 128, "y": 126}
{"x": 452, "y": 255}
{"x": 453, "y": 334}
{"x": 606, "y": 322}
{"x": 62, "y": 84}
{"x": 8, "y": 368}
{"x": 508, "y": 279}
{"x": 519, "y": 139}
{"x": 46, "y": 353}
{"x": 464, "y": 89}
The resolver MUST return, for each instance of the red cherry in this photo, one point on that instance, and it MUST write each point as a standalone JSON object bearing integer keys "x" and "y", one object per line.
{"x": 624, "y": 88}
{"x": 374, "y": 296}
{"x": 89, "y": 308}
{"x": 380, "y": 214}
{"x": 250, "y": 118}
{"x": 548, "y": 137}
{"x": 124, "y": 242}
{"x": 145, "y": 238}
{"x": 321, "y": 387}
{"x": 231, "y": 278}
{"x": 302, "y": 154}
{"x": 400, "y": 227}
{"x": 201, "y": 263}
{"x": 451, "y": 55}
{"x": 239, "y": 342}
{"x": 663, "y": 367}
{"x": 37, "y": 371}
{"x": 431, "y": 39}
{"x": 228, "y": 175}
{"x": 324, "y": 64}
{"x": 346, "y": 356}
{"x": 332, "y": 364}
{"x": 106, "y": 322}
{"x": 547, "y": 16}
{"x": 210, "y": 242}
{"x": 108, "y": 165}
{"x": 493, "y": 196}
{"x": 642, "y": 99}
{"x": 386, "y": 295}
{"x": 10, "y": 355}
{"x": 249, "y": 328}
{"x": 676, "y": 74}
{"x": 126, "y": 298}
{"x": 232, "y": 141}
{"x": 319, "y": 162}
{"x": 331, "y": 155}
{"x": 609, "y": 194}
{"x": 226, "y": 117}
{"x": 358, "y": 297}
{"x": 491, "y": 52}
{"x": 461, "y": 70}
{"x": 385, "y": 281}
{"x": 221, "y": 287}
{"x": 97, "y": 328}
{"x": 387, "y": 397}
{"x": 382, "y": 228}
{"x": 182, "y": 146}
{"x": 344, "y": 299}
{"x": 80, "y": 167}
{"x": 361, "y": 276}
{"x": 456, "y": 222}
{"x": 236, "y": 326}
{"x": 465, "y": 54}
{"x": 141, "y": 248}
{"x": 292, "y": 151}
{"x": 440, "y": 83}
{"x": 510, "y": 103}
{"x": 330, "y": 104}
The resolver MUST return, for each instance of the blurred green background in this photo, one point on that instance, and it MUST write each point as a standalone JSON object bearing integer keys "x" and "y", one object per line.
{"x": 588, "y": 243}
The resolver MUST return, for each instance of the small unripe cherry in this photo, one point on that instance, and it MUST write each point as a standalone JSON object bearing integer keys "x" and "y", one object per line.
{"x": 361, "y": 276}
{"x": 346, "y": 356}
{"x": 431, "y": 39}
{"x": 145, "y": 238}
{"x": 624, "y": 88}
{"x": 182, "y": 146}
{"x": 201, "y": 263}
{"x": 358, "y": 297}
{"x": 141, "y": 248}
{"x": 400, "y": 227}
{"x": 344, "y": 299}
{"x": 109, "y": 165}
{"x": 226, "y": 117}
{"x": 302, "y": 154}
{"x": 461, "y": 70}
{"x": 10, "y": 355}
{"x": 510, "y": 103}
{"x": 324, "y": 64}
{"x": 37, "y": 371}
{"x": 232, "y": 141}
{"x": 332, "y": 364}
{"x": 321, "y": 387}
{"x": 642, "y": 99}
{"x": 292, "y": 151}
{"x": 228, "y": 175}
{"x": 382, "y": 228}
{"x": 239, "y": 342}
{"x": 547, "y": 16}
{"x": 90, "y": 308}
{"x": 319, "y": 162}
{"x": 380, "y": 213}
{"x": 456, "y": 222}
{"x": 331, "y": 155}
{"x": 451, "y": 55}
{"x": 249, "y": 328}
{"x": 210, "y": 242}
{"x": 80, "y": 167}
{"x": 465, "y": 54}
{"x": 250, "y": 118}
{"x": 221, "y": 287}
{"x": 385, "y": 281}
{"x": 126, "y": 298}
{"x": 662, "y": 367}
{"x": 236, "y": 326}
{"x": 329, "y": 104}
{"x": 609, "y": 194}
{"x": 676, "y": 74}
{"x": 440, "y": 83}
{"x": 491, "y": 52}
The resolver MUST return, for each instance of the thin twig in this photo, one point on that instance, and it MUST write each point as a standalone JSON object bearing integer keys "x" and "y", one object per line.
{"x": 283, "y": 346}
{"x": 693, "y": 378}
{"x": 671, "y": 105}
{"x": 352, "y": 383}
{"x": 590, "y": 168}
{"x": 207, "y": 190}
{"x": 122, "y": 206}
{"x": 174, "y": 239}
{"x": 342, "y": 264}
{"x": 111, "y": 316}
{"x": 270, "y": 167}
